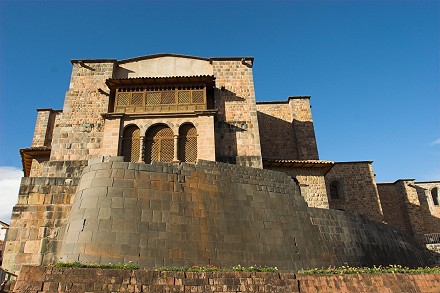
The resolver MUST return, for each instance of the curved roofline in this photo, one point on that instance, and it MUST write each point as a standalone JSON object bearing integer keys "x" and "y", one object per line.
{"x": 134, "y": 59}
{"x": 145, "y": 57}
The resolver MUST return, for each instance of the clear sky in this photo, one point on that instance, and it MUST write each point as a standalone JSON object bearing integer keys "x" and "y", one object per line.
{"x": 371, "y": 67}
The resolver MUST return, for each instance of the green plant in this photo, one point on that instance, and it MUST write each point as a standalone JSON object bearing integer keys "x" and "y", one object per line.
{"x": 210, "y": 268}
{"x": 77, "y": 264}
{"x": 390, "y": 269}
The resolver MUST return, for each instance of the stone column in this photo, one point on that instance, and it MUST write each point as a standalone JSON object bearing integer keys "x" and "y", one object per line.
{"x": 176, "y": 147}
{"x": 141, "y": 148}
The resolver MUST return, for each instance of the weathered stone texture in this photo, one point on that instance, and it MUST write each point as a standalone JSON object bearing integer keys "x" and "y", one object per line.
{"x": 237, "y": 134}
{"x": 431, "y": 211}
{"x": 311, "y": 182}
{"x": 276, "y": 131}
{"x": 40, "y": 279}
{"x": 40, "y": 215}
{"x": 79, "y": 131}
{"x": 303, "y": 128}
{"x": 349, "y": 239}
{"x": 214, "y": 213}
{"x": 167, "y": 214}
{"x": 393, "y": 207}
{"x": 44, "y": 127}
{"x": 286, "y": 130}
{"x": 38, "y": 163}
{"x": 358, "y": 191}
{"x": 409, "y": 206}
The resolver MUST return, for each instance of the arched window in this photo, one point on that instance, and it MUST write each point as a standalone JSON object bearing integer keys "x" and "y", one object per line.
{"x": 434, "y": 194}
{"x": 159, "y": 144}
{"x": 335, "y": 190}
{"x": 187, "y": 143}
{"x": 131, "y": 144}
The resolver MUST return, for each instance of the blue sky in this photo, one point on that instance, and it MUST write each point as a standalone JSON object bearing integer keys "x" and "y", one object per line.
{"x": 371, "y": 67}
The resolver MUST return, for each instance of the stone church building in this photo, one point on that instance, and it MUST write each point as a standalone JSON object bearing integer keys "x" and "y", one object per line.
{"x": 194, "y": 120}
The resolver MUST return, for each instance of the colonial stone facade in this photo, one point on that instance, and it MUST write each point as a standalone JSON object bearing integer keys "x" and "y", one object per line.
{"x": 169, "y": 160}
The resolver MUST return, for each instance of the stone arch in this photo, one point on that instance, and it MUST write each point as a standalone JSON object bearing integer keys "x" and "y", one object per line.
{"x": 434, "y": 195}
{"x": 130, "y": 148}
{"x": 187, "y": 148}
{"x": 159, "y": 144}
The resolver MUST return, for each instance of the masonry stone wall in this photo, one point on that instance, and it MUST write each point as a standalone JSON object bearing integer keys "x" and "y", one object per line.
{"x": 38, "y": 220}
{"x": 311, "y": 182}
{"x": 286, "y": 130}
{"x": 413, "y": 206}
{"x": 79, "y": 132}
{"x": 303, "y": 128}
{"x": 113, "y": 131}
{"x": 393, "y": 207}
{"x": 40, "y": 279}
{"x": 408, "y": 205}
{"x": 177, "y": 215}
{"x": 236, "y": 131}
{"x": 44, "y": 127}
{"x": 354, "y": 240}
{"x": 430, "y": 211}
{"x": 38, "y": 163}
{"x": 276, "y": 131}
{"x": 165, "y": 214}
{"x": 357, "y": 188}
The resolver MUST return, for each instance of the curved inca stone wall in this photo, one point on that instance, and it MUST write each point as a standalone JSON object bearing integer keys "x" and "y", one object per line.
{"x": 213, "y": 213}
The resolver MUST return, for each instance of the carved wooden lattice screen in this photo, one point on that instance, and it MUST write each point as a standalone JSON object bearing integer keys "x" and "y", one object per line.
{"x": 160, "y": 99}
{"x": 159, "y": 144}
{"x": 131, "y": 144}
{"x": 188, "y": 143}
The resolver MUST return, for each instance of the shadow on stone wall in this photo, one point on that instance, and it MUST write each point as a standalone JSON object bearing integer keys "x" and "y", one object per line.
{"x": 285, "y": 140}
{"x": 277, "y": 138}
{"x": 165, "y": 214}
{"x": 226, "y": 131}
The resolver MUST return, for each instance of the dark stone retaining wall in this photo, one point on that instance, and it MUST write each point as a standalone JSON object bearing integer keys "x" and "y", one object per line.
{"x": 167, "y": 214}
{"x": 40, "y": 279}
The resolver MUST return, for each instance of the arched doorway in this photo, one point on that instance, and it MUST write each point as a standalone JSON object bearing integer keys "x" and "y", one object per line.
{"x": 187, "y": 143}
{"x": 159, "y": 144}
{"x": 131, "y": 144}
